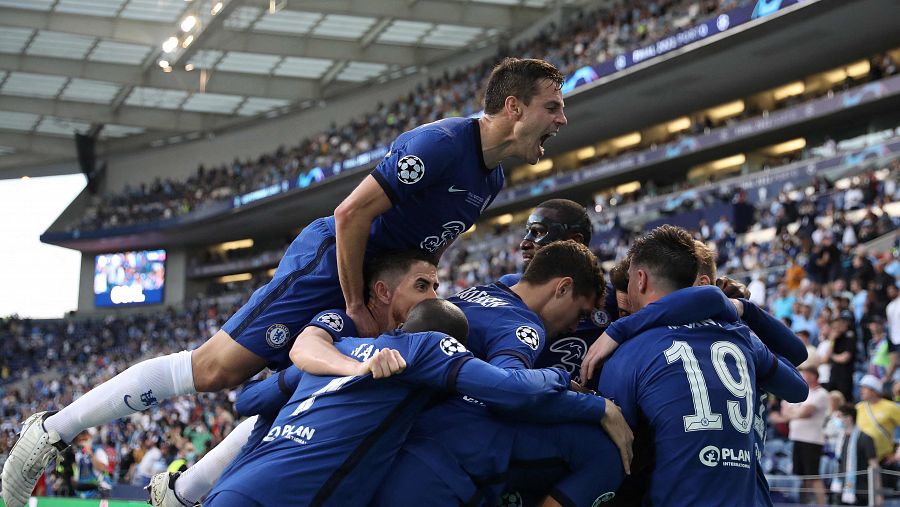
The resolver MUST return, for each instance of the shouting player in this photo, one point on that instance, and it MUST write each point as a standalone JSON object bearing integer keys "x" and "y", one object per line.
{"x": 432, "y": 185}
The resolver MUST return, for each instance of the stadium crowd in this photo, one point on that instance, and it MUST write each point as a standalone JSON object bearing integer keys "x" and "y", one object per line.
{"x": 589, "y": 37}
{"x": 47, "y": 364}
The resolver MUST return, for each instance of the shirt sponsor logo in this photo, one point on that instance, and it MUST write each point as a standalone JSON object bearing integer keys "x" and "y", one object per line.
{"x": 713, "y": 456}
{"x": 572, "y": 350}
{"x": 451, "y": 231}
{"x": 299, "y": 434}
{"x": 605, "y": 497}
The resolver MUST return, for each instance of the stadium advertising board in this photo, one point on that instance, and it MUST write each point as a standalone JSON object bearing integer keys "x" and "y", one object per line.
{"x": 129, "y": 278}
{"x": 721, "y": 23}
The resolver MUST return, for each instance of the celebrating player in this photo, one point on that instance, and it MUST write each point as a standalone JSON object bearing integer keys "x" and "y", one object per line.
{"x": 431, "y": 186}
{"x": 556, "y": 220}
{"x": 333, "y": 441}
{"x": 396, "y": 282}
{"x": 718, "y": 359}
{"x": 457, "y": 450}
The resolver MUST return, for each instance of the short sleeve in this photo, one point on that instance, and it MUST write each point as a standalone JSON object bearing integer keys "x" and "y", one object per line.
{"x": 434, "y": 359}
{"x": 336, "y": 323}
{"x": 520, "y": 338}
{"x": 419, "y": 163}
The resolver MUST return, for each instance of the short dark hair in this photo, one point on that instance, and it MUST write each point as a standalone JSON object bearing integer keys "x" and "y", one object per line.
{"x": 573, "y": 215}
{"x": 706, "y": 261}
{"x": 392, "y": 265}
{"x": 438, "y": 315}
{"x": 519, "y": 77}
{"x": 618, "y": 275}
{"x": 567, "y": 258}
{"x": 669, "y": 253}
{"x": 848, "y": 410}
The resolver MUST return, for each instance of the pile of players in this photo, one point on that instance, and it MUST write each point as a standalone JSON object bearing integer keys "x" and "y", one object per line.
{"x": 386, "y": 395}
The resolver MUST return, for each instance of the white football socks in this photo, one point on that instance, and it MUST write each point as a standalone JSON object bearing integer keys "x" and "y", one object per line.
{"x": 195, "y": 482}
{"x": 136, "y": 389}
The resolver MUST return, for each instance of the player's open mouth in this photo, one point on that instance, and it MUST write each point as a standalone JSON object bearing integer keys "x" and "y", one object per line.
{"x": 543, "y": 140}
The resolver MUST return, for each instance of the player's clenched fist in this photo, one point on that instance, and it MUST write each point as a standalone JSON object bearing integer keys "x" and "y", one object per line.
{"x": 384, "y": 363}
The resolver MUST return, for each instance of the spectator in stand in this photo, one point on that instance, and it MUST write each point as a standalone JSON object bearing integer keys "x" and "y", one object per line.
{"x": 893, "y": 313}
{"x": 879, "y": 418}
{"x": 806, "y": 422}
{"x": 784, "y": 302}
{"x": 810, "y": 350}
{"x": 802, "y": 320}
{"x": 855, "y": 453}
{"x": 843, "y": 353}
{"x": 882, "y": 353}
{"x": 757, "y": 288}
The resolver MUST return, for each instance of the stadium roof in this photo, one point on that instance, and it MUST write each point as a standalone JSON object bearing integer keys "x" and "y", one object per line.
{"x": 74, "y": 65}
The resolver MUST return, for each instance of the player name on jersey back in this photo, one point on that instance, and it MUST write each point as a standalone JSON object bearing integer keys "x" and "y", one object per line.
{"x": 483, "y": 298}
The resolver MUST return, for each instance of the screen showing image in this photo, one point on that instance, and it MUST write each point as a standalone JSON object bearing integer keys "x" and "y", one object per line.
{"x": 129, "y": 278}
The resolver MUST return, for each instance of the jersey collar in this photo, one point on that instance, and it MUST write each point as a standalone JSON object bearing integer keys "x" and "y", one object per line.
{"x": 477, "y": 133}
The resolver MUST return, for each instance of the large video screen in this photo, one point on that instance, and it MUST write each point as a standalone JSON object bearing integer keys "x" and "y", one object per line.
{"x": 129, "y": 278}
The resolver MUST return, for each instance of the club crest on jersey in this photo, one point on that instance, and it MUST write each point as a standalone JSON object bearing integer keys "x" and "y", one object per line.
{"x": 529, "y": 336}
{"x": 511, "y": 499}
{"x": 410, "y": 169}
{"x": 277, "y": 335}
{"x": 332, "y": 320}
{"x": 600, "y": 318}
{"x": 450, "y": 346}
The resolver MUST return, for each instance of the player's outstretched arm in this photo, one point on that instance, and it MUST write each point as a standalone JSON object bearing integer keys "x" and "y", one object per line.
{"x": 692, "y": 304}
{"x": 314, "y": 352}
{"x": 266, "y": 397}
{"x": 353, "y": 220}
{"x": 785, "y": 382}
{"x": 778, "y": 337}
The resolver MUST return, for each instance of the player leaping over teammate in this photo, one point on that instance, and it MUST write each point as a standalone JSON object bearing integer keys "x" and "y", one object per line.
{"x": 432, "y": 185}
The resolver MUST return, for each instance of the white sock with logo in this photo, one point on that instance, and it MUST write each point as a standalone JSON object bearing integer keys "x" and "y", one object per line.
{"x": 136, "y": 389}
{"x": 195, "y": 482}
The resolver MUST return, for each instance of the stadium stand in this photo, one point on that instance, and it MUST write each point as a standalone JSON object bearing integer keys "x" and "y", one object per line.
{"x": 590, "y": 37}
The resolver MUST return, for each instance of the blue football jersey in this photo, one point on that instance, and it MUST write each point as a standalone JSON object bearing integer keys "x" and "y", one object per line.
{"x": 326, "y": 441}
{"x": 460, "y": 438}
{"x": 501, "y": 324}
{"x": 331, "y": 443}
{"x": 265, "y": 398}
{"x": 438, "y": 184}
{"x": 567, "y": 351}
{"x": 697, "y": 303}
{"x": 695, "y": 384}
